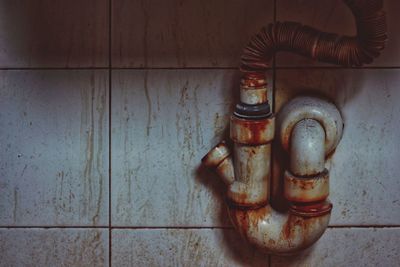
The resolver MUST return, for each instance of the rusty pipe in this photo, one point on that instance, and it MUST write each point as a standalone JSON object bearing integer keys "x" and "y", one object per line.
{"x": 322, "y": 46}
{"x": 307, "y": 190}
{"x": 310, "y": 128}
{"x": 252, "y": 155}
{"x": 252, "y": 130}
{"x": 307, "y": 120}
{"x": 279, "y": 233}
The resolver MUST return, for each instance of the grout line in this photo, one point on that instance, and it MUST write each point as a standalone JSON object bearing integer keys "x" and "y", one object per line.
{"x": 363, "y": 226}
{"x": 173, "y": 227}
{"x": 109, "y": 130}
{"x": 337, "y": 67}
{"x": 208, "y": 68}
{"x": 55, "y": 68}
{"x": 52, "y": 227}
{"x": 273, "y": 111}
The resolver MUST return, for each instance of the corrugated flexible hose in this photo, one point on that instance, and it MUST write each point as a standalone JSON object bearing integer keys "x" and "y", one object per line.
{"x": 322, "y": 46}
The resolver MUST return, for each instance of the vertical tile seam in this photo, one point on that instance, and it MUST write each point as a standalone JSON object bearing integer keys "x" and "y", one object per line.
{"x": 273, "y": 106}
{"x": 109, "y": 130}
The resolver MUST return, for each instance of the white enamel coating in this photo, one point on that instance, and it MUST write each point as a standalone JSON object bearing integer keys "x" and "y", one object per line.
{"x": 300, "y": 189}
{"x": 252, "y": 172}
{"x": 311, "y": 108}
{"x": 219, "y": 159}
{"x": 269, "y": 230}
{"x": 225, "y": 171}
{"x": 253, "y": 96}
{"x": 307, "y": 148}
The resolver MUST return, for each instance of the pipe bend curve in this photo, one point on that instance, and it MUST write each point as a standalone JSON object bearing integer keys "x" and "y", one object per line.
{"x": 279, "y": 233}
{"x": 307, "y": 107}
{"x": 322, "y": 46}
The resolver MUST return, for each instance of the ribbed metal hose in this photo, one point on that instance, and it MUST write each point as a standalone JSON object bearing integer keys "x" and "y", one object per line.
{"x": 322, "y": 46}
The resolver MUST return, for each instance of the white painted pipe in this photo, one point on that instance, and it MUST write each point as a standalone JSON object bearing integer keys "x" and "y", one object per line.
{"x": 252, "y": 172}
{"x": 219, "y": 158}
{"x": 307, "y": 148}
{"x": 306, "y": 107}
{"x": 309, "y": 212}
{"x": 252, "y": 156}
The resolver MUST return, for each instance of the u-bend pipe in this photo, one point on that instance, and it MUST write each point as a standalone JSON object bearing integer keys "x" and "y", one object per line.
{"x": 314, "y": 128}
{"x": 309, "y": 129}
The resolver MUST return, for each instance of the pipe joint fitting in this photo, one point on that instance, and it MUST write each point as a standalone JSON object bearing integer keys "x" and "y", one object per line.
{"x": 248, "y": 195}
{"x": 307, "y": 125}
{"x": 311, "y": 209}
{"x": 306, "y": 190}
{"x": 253, "y": 89}
{"x": 252, "y": 132}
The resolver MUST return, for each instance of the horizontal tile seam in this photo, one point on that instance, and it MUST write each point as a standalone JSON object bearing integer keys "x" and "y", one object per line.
{"x": 176, "y": 227}
{"x": 210, "y": 68}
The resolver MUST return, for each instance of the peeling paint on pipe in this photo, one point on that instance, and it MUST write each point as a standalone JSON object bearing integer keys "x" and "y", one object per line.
{"x": 303, "y": 120}
{"x": 278, "y": 233}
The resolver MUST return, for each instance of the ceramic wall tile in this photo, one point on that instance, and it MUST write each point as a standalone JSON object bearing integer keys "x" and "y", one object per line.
{"x": 335, "y": 16}
{"x": 163, "y": 123}
{"x": 53, "y": 247}
{"x": 182, "y": 247}
{"x": 349, "y": 247}
{"x": 363, "y": 183}
{"x": 210, "y": 33}
{"x": 49, "y": 33}
{"x": 54, "y": 147}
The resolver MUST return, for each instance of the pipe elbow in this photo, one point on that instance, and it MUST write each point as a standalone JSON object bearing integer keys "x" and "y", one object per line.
{"x": 280, "y": 233}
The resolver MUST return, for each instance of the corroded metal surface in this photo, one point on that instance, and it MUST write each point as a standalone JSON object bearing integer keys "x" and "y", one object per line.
{"x": 253, "y": 89}
{"x": 311, "y": 189}
{"x": 362, "y": 165}
{"x": 252, "y": 132}
{"x": 248, "y": 195}
{"x": 252, "y": 172}
{"x": 278, "y": 233}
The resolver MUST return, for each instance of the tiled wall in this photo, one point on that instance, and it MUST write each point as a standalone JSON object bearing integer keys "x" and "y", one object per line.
{"x": 106, "y": 109}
